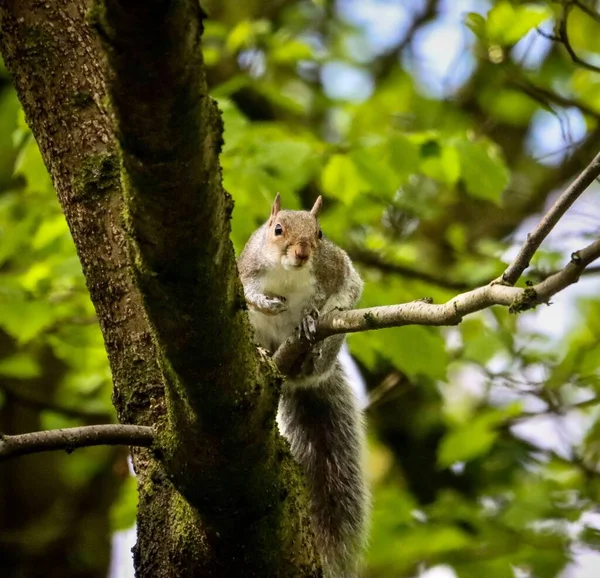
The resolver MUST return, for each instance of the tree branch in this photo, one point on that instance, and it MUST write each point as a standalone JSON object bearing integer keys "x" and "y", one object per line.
{"x": 548, "y": 222}
{"x": 221, "y": 400}
{"x": 177, "y": 211}
{"x": 544, "y": 97}
{"x": 372, "y": 259}
{"x": 70, "y": 439}
{"x": 424, "y": 312}
{"x": 562, "y": 36}
{"x": 420, "y": 312}
{"x": 591, "y": 271}
{"x": 591, "y": 13}
{"x": 25, "y": 397}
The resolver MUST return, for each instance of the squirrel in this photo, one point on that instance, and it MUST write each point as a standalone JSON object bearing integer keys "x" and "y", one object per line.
{"x": 291, "y": 275}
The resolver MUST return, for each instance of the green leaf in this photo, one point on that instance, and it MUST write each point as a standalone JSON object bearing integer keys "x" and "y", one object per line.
{"x": 582, "y": 32}
{"x": 341, "y": 179}
{"x": 482, "y": 169}
{"x": 507, "y": 24}
{"x": 466, "y": 443}
{"x": 49, "y": 230}
{"x": 25, "y": 320}
{"x": 373, "y": 167}
{"x": 404, "y": 155}
{"x": 417, "y": 351}
{"x": 475, "y": 438}
{"x": 21, "y": 365}
{"x": 291, "y": 51}
{"x": 431, "y": 148}
{"x": 245, "y": 33}
{"x": 586, "y": 84}
{"x": 481, "y": 342}
{"x": 507, "y": 105}
{"x": 439, "y": 159}
{"x": 476, "y": 22}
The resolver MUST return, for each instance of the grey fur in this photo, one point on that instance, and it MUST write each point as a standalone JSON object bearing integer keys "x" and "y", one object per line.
{"x": 318, "y": 412}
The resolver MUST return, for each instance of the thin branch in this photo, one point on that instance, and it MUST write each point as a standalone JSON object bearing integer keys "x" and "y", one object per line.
{"x": 76, "y": 437}
{"x": 544, "y": 97}
{"x": 557, "y": 411}
{"x": 563, "y": 38}
{"x": 371, "y": 259}
{"x": 574, "y": 461}
{"x": 450, "y": 313}
{"x": 549, "y": 220}
{"x": 591, "y": 13}
{"x": 591, "y": 271}
{"x": 389, "y": 384}
{"x": 547, "y": 35}
{"x": 25, "y": 397}
{"x": 539, "y": 275}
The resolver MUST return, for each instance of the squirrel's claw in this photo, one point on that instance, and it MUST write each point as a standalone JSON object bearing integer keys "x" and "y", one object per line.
{"x": 269, "y": 305}
{"x": 308, "y": 326}
{"x": 277, "y": 304}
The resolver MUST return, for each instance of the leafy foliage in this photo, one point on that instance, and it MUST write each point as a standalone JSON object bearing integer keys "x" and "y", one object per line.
{"x": 476, "y": 460}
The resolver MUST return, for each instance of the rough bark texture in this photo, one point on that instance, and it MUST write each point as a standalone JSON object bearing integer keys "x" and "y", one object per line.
{"x": 220, "y": 496}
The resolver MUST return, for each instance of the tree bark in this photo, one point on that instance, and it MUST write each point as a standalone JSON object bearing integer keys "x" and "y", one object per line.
{"x": 132, "y": 142}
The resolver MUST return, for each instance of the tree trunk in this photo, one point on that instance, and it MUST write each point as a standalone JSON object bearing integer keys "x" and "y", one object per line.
{"x": 132, "y": 142}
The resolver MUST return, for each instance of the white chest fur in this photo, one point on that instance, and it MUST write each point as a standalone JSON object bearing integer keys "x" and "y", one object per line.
{"x": 298, "y": 288}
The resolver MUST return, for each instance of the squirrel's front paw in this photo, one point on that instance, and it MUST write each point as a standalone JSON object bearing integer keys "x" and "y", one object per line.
{"x": 308, "y": 326}
{"x": 274, "y": 305}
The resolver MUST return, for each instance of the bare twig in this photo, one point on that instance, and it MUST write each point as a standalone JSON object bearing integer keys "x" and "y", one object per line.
{"x": 548, "y": 454}
{"x": 29, "y": 398}
{"x": 591, "y": 13}
{"x": 371, "y": 259}
{"x": 549, "y": 220}
{"x": 72, "y": 438}
{"x": 591, "y": 271}
{"x": 559, "y": 410}
{"x": 544, "y": 97}
{"x": 562, "y": 36}
{"x": 390, "y": 383}
{"x": 450, "y": 313}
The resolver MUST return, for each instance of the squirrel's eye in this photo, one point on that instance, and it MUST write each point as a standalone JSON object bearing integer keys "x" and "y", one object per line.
{"x": 278, "y": 230}
{"x": 320, "y": 234}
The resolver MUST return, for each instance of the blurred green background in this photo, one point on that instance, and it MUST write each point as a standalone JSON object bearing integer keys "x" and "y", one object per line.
{"x": 437, "y": 132}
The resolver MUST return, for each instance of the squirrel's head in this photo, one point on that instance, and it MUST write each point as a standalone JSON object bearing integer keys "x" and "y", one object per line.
{"x": 293, "y": 236}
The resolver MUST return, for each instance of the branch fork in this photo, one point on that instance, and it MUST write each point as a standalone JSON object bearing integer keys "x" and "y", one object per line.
{"x": 421, "y": 312}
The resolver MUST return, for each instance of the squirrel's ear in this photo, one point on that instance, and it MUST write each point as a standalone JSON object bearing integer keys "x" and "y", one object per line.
{"x": 317, "y": 206}
{"x": 275, "y": 208}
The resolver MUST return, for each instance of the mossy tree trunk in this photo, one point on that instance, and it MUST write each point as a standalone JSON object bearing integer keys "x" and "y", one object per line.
{"x": 116, "y": 97}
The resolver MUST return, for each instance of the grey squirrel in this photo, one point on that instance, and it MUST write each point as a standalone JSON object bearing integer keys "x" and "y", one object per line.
{"x": 291, "y": 275}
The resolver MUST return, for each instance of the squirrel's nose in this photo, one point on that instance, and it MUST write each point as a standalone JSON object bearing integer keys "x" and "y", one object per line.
{"x": 302, "y": 251}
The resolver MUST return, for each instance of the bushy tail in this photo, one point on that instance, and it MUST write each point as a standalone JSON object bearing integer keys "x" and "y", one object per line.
{"x": 325, "y": 429}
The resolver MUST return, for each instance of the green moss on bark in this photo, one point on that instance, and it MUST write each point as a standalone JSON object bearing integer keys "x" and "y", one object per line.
{"x": 174, "y": 300}
{"x": 97, "y": 175}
